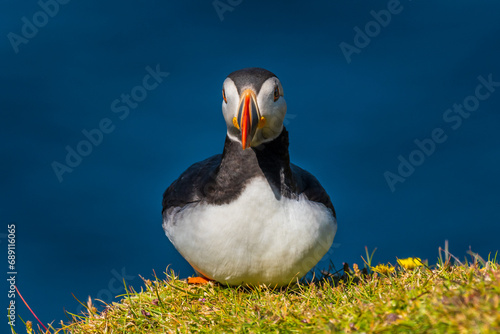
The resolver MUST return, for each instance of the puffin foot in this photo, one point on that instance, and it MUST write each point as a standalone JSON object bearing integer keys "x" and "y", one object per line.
{"x": 198, "y": 280}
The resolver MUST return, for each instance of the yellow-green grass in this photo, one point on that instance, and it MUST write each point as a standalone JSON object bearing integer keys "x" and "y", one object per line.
{"x": 444, "y": 298}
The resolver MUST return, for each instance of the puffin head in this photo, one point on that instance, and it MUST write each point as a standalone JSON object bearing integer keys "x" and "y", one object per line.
{"x": 253, "y": 106}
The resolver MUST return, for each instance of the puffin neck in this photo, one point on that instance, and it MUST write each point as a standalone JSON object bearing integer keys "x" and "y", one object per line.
{"x": 270, "y": 160}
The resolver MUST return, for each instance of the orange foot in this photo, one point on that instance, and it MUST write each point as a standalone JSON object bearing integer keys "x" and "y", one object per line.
{"x": 198, "y": 280}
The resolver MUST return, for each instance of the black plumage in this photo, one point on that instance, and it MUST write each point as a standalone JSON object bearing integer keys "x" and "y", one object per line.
{"x": 221, "y": 178}
{"x": 254, "y": 76}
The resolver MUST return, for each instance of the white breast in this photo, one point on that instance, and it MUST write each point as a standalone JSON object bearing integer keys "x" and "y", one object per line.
{"x": 256, "y": 239}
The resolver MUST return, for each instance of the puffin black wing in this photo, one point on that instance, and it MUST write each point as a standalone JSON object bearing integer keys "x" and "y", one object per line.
{"x": 192, "y": 185}
{"x": 308, "y": 185}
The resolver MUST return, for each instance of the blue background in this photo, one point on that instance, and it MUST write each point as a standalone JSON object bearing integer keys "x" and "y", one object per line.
{"x": 348, "y": 122}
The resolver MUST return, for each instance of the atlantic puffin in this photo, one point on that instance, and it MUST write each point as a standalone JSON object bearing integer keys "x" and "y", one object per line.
{"x": 248, "y": 216}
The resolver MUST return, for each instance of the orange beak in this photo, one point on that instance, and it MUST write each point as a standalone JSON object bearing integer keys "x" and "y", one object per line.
{"x": 248, "y": 117}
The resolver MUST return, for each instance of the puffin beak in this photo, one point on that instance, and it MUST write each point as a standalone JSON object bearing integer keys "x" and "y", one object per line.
{"x": 248, "y": 117}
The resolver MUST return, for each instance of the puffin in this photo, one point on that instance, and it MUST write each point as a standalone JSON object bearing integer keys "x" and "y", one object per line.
{"x": 248, "y": 216}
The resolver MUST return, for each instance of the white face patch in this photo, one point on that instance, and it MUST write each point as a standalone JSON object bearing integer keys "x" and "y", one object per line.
{"x": 273, "y": 111}
{"x": 230, "y": 109}
{"x": 256, "y": 239}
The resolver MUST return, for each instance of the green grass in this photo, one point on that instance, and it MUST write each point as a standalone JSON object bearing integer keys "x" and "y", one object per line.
{"x": 464, "y": 297}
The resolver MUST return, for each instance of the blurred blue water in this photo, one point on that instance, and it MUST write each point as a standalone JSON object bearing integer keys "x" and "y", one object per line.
{"x": 348, "y": 122}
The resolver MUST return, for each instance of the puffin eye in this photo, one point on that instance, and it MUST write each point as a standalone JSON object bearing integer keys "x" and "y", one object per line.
{"x": 276, "y": 93}
{"x": 224, "y": 95}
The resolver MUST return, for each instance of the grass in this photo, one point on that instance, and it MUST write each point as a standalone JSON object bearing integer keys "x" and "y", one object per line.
{"x": 412, "y": 297}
